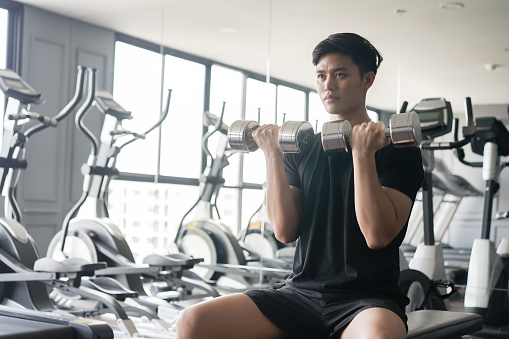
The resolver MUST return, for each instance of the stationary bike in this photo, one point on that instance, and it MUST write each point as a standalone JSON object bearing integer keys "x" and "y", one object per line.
{"x": 228, "y": 262}
{"x": 424, "y": 280}
{"x": 487, "y": 292}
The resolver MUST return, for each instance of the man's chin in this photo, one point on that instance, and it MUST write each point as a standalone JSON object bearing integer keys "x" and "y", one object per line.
{"x": 332, "y": 110}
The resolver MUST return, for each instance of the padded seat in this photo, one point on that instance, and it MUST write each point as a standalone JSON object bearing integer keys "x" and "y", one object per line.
{"x": 171, "y": 260}
{"x": 70, "y": 265}
{"x": 429, "y": 324}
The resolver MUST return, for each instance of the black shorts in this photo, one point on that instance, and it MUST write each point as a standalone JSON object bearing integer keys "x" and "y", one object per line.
{"x": 309, "y": 314}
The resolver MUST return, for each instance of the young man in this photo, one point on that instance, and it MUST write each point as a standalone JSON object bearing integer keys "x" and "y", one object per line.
{"x": 349, "y": 213}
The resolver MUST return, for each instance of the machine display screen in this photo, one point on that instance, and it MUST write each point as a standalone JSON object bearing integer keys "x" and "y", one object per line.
{"x": 430, "y": 116}
{"x": 14, "y": 83}
{"x": 111, "y": 104}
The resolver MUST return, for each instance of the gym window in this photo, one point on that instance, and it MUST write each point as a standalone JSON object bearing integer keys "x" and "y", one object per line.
{"x": 10, "y": 23}
{"x": 4, "y": 24}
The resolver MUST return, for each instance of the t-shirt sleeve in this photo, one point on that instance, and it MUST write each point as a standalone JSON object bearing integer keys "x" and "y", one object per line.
{"x": 292, "y": 168}
{"x": 401, "y": 169}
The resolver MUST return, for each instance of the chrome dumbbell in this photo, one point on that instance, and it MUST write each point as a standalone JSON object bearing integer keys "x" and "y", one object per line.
{"x": 294, "y": 136}
{"x": 404, "y": 130}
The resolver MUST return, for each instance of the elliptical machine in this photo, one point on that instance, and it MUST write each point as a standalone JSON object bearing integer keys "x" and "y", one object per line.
{"x": 259, "y": 236}
{"x": 21, "y": 288}
{"x": 487, "y": 291}
{"x": 26, "y": 276}
{"x": 87, "y": 231}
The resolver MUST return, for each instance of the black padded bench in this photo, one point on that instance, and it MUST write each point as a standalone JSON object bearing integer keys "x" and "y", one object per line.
{"x": 430, "y": 324}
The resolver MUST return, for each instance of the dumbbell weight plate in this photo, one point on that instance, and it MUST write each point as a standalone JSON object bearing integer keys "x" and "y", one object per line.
{"x": 335, "y": 136}
{"x": 295, "y": 136}
{"x": 239, "y": 135}
{"x": 405, "y": 130}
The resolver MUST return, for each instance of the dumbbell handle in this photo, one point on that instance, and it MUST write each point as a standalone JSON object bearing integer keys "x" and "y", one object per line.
{"x": 249, "y": 133}
{"x": 387, "y": 132}
{"x": 404, "y": 130}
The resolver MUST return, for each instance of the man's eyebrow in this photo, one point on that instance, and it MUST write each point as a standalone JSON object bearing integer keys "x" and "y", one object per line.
{"x": 319, "y": 70}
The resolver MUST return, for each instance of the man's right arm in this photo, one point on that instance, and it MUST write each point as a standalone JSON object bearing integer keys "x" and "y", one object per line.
{"x": 283, "y": 200}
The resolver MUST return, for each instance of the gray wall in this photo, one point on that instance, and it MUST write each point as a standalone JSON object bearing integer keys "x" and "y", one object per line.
{"x": 52, "y": 48}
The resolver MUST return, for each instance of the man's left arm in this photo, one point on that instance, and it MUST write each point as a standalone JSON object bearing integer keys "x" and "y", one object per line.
{"x": 381, "y": 212}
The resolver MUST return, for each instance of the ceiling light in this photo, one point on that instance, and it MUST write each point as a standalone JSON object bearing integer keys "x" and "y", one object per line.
{"x": 451, "y": 5}
{"x": 490, "y": 67}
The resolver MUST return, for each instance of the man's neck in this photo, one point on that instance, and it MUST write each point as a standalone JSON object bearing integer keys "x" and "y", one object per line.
{"x": 354, "y": 118}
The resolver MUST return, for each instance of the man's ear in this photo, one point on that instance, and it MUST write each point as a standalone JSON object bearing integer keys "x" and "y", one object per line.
{"x": 368, "y": 80}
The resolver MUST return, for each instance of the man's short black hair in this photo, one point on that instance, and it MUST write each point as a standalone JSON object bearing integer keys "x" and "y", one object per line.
{"x": 364, "y": 55}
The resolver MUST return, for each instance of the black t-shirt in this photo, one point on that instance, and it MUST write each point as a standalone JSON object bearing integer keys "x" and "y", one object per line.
{"x": 332, "y": 254}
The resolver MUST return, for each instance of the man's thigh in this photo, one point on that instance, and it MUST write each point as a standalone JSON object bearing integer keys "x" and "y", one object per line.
{"x": 296, "y": 311}
{"x": 376, "y": 322}
{"x": 232, "y": 316}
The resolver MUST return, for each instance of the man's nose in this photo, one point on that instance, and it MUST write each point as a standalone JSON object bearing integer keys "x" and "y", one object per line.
{"x": 328, "y": 84}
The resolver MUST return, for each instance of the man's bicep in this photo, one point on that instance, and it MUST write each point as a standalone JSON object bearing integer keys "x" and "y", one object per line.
{"x": 402, "y": 204}
{"x": 296, "y": 198}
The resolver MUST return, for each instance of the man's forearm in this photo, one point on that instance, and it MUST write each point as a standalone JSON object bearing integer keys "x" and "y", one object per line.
{"x": 282, "y": 209}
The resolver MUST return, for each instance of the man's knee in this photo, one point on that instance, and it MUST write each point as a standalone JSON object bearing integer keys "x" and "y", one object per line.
{"x": 188, "y": 322}
{"x": 378, "y": 323}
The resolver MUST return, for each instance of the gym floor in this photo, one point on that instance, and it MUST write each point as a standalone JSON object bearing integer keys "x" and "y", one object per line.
{"x": 456, "y": 300}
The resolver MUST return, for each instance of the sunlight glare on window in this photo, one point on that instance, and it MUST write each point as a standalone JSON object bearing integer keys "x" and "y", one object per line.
{"x": 226, "y": 86}
{"x": 259, "y": 96}
{"x": 251, "y": 202}
{"x": 291, "y": 104}
{"x": 4, "y": 17}
{"x": 227, "y": 206}
{"x": 181, "y": 135}
{"x": 136, "y": 87}
{"x": 317, "y": 113}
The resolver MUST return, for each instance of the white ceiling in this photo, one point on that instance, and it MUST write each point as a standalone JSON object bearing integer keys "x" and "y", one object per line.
{"x": 428, "y": 51}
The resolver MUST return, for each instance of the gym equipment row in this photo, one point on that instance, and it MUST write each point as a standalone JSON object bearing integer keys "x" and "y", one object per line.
{"x": 80, "y": 293}
{"x": 25, "y": 283}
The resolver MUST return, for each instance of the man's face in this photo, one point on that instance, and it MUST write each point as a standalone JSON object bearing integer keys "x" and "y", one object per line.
{"x": 339, "y": 84}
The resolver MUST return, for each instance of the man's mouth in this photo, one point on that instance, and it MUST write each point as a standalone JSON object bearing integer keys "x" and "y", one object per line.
{"x": 330, "y": 98}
